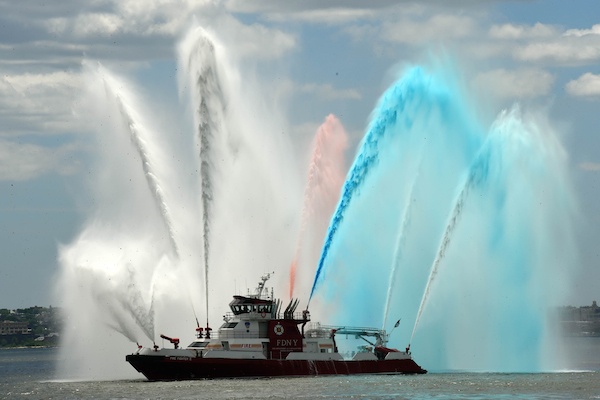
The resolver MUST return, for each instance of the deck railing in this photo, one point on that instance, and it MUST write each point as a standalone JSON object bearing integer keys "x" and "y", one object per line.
{"x": 234, "y": 335}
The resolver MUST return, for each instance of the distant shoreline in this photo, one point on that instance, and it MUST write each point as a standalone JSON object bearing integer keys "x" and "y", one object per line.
{"x": 29, "y": 347}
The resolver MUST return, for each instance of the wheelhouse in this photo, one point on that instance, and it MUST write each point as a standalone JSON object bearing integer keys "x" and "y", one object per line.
{"x": 245, "y": 305}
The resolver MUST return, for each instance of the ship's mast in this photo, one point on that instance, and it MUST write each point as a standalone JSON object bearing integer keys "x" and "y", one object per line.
{"x": 261, "y": 284}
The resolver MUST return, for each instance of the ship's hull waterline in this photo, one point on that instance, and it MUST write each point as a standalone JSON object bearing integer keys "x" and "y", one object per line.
{"x": 170, "y": 368}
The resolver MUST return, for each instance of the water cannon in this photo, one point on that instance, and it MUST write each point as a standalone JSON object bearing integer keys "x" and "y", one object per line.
{"x": 305, "y": 319}
{"x": 174, "y": 341}
{"x": 208, "y": 329}
{"x": 199, "y": 331}
{"x": 306, "y": 315}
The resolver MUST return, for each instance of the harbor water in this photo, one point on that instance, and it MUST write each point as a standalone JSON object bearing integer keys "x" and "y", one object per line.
{"x": 30, "y": 374}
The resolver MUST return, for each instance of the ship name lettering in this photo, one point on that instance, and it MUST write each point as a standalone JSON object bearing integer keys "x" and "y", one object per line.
{"x": 287, "y": 342}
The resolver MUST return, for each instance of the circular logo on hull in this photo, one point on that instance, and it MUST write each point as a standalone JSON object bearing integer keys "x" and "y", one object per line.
{"x": 278, "y": 329}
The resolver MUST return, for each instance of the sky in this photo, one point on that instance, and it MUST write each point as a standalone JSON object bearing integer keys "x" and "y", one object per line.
{"x": 322, "y": 56}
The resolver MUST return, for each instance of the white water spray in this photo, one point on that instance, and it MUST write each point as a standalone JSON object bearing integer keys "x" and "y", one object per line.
{"x": 403, "y": 231}
{"x": 207, "y": 96}
{"x": 151, "y": 178}
{"x": 167, "y": 201}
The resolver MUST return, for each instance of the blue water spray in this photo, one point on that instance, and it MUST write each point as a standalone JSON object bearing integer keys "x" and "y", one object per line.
{"x": 391, "y": 106}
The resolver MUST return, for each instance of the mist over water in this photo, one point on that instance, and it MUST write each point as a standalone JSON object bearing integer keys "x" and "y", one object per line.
{"x": 462, "y": 230}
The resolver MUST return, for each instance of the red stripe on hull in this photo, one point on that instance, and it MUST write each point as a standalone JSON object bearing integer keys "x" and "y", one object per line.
{"x": 157, "y": 368}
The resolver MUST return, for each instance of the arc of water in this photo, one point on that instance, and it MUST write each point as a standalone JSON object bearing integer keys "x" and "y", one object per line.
{"x": 478, "y": 174}
{"x": 362, "y": 166}
{"x": 127, "y": 300}
{"x": 308, "y": 195}
{"x": 151, "y": 178}
{"x": 205, "y": 133}
{"x": 391, "y": 107}
{"x": 404, "y": 224}
{"x": 325, "y": 178}
{"x": 202, "y": 64}
{"x": 134, "y": 303}
{"x": 122, "y": 329}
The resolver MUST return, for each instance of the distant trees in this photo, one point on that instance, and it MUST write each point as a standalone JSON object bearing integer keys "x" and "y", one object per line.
{"x": 41, "y": 322}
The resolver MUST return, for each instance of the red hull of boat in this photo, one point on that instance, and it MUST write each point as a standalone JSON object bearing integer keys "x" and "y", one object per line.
{"x": 169, "y": 368}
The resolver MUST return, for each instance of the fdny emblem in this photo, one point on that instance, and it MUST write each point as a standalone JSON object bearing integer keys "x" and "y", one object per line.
{"x": 278, "y": 329}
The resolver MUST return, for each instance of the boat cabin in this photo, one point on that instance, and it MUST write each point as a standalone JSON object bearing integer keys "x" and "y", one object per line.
{"x": 246, "y": 305}
{"x": 257, "y": 329}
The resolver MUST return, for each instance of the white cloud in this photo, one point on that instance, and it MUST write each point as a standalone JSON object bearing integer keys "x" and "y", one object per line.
{"x": 417, "y": 25}
{"x": 595, "y": 30}
{"x": 19, "y": 162}
{"x": 325, "y": 16}
{"x": 102, "y": 25}
{"x": 293, "y": 8}
{"x": 37, "y": 103}
{"x": 87, "y": 24}
{"x": 587, "y": 85}
{"x": 143, "y": 30}
{"x": 513, "y": 32}
{"x": 256, "y": 40}
{"x": 98, "y": 24}
{"x": 516, "y": 84}
{"x": 560, "y": 51}
{"x": 547, "y": 44}
{"x": 128, "y": 30}
{"x": 134, "y": 17}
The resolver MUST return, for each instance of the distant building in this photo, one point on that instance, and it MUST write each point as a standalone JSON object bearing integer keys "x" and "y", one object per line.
{"x": 581, "y": 321}
{"x": 12, "y": 328}
{"x": 585, "y": 313}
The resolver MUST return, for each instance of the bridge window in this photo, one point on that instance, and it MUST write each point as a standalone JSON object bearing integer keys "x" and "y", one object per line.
{"x": 238, "y": 309}
{"x": 264, "y": 308}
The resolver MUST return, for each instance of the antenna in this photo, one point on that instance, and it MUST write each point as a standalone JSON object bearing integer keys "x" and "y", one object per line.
{"x": 261, "y": 284}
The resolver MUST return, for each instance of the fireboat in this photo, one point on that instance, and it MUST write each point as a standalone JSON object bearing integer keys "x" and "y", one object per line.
{"x": 257, "y": 340}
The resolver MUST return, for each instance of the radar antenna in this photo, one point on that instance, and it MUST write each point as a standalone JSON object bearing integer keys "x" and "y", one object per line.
{"x": 261, "y": 284}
